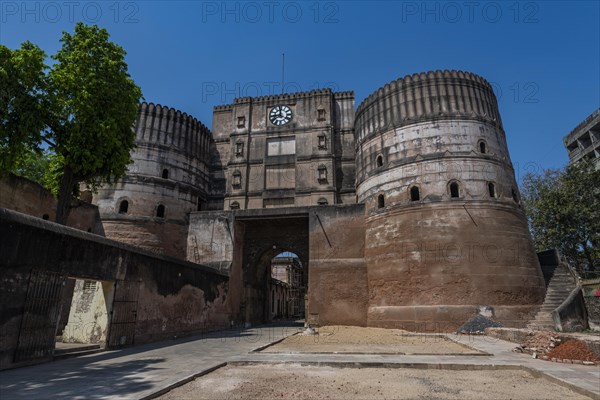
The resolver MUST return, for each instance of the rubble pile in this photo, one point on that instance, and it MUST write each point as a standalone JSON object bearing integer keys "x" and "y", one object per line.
{"x": 573, "y": 350}
{"x": 539, "y": 343}
{"x": 548, "y": 346}
{"x": 477, "y": 325}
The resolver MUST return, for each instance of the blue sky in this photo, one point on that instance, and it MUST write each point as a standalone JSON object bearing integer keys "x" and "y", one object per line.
{"x": 543, "y": 58}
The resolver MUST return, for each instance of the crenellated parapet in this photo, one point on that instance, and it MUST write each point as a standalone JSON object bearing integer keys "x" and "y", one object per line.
{"x": 285, "y": 97}
{"x": 427, "y": 96}
{"x": 165, "y": 126}
{"x": 169, "y": 178}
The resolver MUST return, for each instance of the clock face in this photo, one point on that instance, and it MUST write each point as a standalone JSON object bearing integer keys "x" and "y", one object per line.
{"x": 280, "y": 115}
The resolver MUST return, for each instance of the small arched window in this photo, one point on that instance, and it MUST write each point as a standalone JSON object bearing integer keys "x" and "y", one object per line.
{"x": 379, "y": 161}
{"x": 492, "y": 189}
{"x": 454, "y": 190}
{"x": 322, "y": 201}
{"x": 380, "y": 201}
{"x": 123, "y": 207}
{"x": 160, "y": 211}
{"x": 165, "y": 173}
{"x": 414, "y": 194}
{"x": 235, "y": 205}
{"x": 482, "y": 147}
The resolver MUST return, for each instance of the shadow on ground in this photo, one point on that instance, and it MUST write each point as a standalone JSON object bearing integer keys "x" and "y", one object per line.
{"x": 97, "y": 381}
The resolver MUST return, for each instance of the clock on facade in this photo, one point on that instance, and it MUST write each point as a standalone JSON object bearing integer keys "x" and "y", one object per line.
{"x": 280, "y": 115}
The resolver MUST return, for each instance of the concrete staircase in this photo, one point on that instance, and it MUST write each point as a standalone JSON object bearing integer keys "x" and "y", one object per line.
{"x": 559, "y": 284}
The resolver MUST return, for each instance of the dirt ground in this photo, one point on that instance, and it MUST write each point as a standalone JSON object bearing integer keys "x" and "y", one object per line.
{"x": 294, "y": 381}
{"x": 352, "y": 339}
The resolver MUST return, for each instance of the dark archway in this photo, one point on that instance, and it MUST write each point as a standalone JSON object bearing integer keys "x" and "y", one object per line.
{"x": 264, "y": 239}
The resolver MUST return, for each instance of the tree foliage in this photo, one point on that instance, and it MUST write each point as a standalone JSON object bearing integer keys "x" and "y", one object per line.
{"x": 88, "y": 104}
{"x": 563, "y": 207}
{"x": 23, "y": 102}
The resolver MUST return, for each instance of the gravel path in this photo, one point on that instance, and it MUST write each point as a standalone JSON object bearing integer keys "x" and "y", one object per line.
{"x": 293, "y": 381}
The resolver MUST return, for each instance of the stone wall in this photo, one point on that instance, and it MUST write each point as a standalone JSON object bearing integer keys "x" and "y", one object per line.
{"x": 337, "y": 284}
{"x": 445, "y": 233}
{"x": 329, "y": 241}
{"x": 28, "y": 197}
{"x": 169, "y": 178}
{"x": 308, "y": 161}
{"x": 172, "y": 298}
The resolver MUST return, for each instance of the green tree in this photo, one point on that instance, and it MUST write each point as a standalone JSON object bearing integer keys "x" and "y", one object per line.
{"x": 23, "y": 102}
{"x": 94, "y": 106}
{"x": 34, "y": 165}
{"x": 83, "y": 110}
{"x": 563, "y": 207}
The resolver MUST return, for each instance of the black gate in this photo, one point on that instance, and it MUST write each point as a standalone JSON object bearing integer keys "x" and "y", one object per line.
{"x": 124, "y": 313}
{"x": 40, "y": 316}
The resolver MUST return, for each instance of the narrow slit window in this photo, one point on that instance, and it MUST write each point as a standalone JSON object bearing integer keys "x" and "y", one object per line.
{"x": 514, "y": 196}
{"x": 160, "y": 211}
{"x": 379, "y": 161}
{"x": 482, "y": 147}
{"x": 414, "y": 194}
{"x": 165, "y": 173}
{"x": 454, "y": 190}
{"x": 380, "y": 201}
{"x": 492, "y": 189}
{"x": 123, "y": 207}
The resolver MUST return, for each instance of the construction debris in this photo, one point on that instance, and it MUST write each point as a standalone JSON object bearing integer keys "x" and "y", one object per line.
{"x": 574, "y": 352}
{"x": 477, "y": 325}
{"x": 539, "y": 343}
{"x": 548, "y": 346}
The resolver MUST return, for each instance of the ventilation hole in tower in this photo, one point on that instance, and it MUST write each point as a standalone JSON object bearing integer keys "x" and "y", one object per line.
{"x": 514, "y": 196}
{"x": 492, "y": 189}
{"x": 454, "y": 192}
{"x": 414, "y": 194}
{"x": 123, "y": 207}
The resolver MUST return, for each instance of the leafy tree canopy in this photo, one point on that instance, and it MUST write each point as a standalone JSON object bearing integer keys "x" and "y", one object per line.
{"x": 83, "y": 109}
{"x": 23, "y": 103}
{"x": 563, "y": 207}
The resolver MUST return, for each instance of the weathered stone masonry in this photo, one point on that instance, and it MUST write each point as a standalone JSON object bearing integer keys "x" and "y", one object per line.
{"x": 404, "y": 213}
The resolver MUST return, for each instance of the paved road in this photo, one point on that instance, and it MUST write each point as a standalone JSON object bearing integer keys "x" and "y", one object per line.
{"x": 142, "y": 371}
{"x": 136, "y": 372}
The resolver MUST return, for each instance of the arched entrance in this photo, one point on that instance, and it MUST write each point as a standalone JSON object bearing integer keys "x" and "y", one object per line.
{"x": 263, "y": 240}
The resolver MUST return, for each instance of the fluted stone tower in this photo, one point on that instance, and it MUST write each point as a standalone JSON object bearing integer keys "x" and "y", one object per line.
{"x": 169, "y": 177}
{"x": 445, "y": 233}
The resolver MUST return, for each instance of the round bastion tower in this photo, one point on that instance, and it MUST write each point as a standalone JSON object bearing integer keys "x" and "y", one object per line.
{"x": 445, "y": 234}
{"x": 169, "y": 177}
